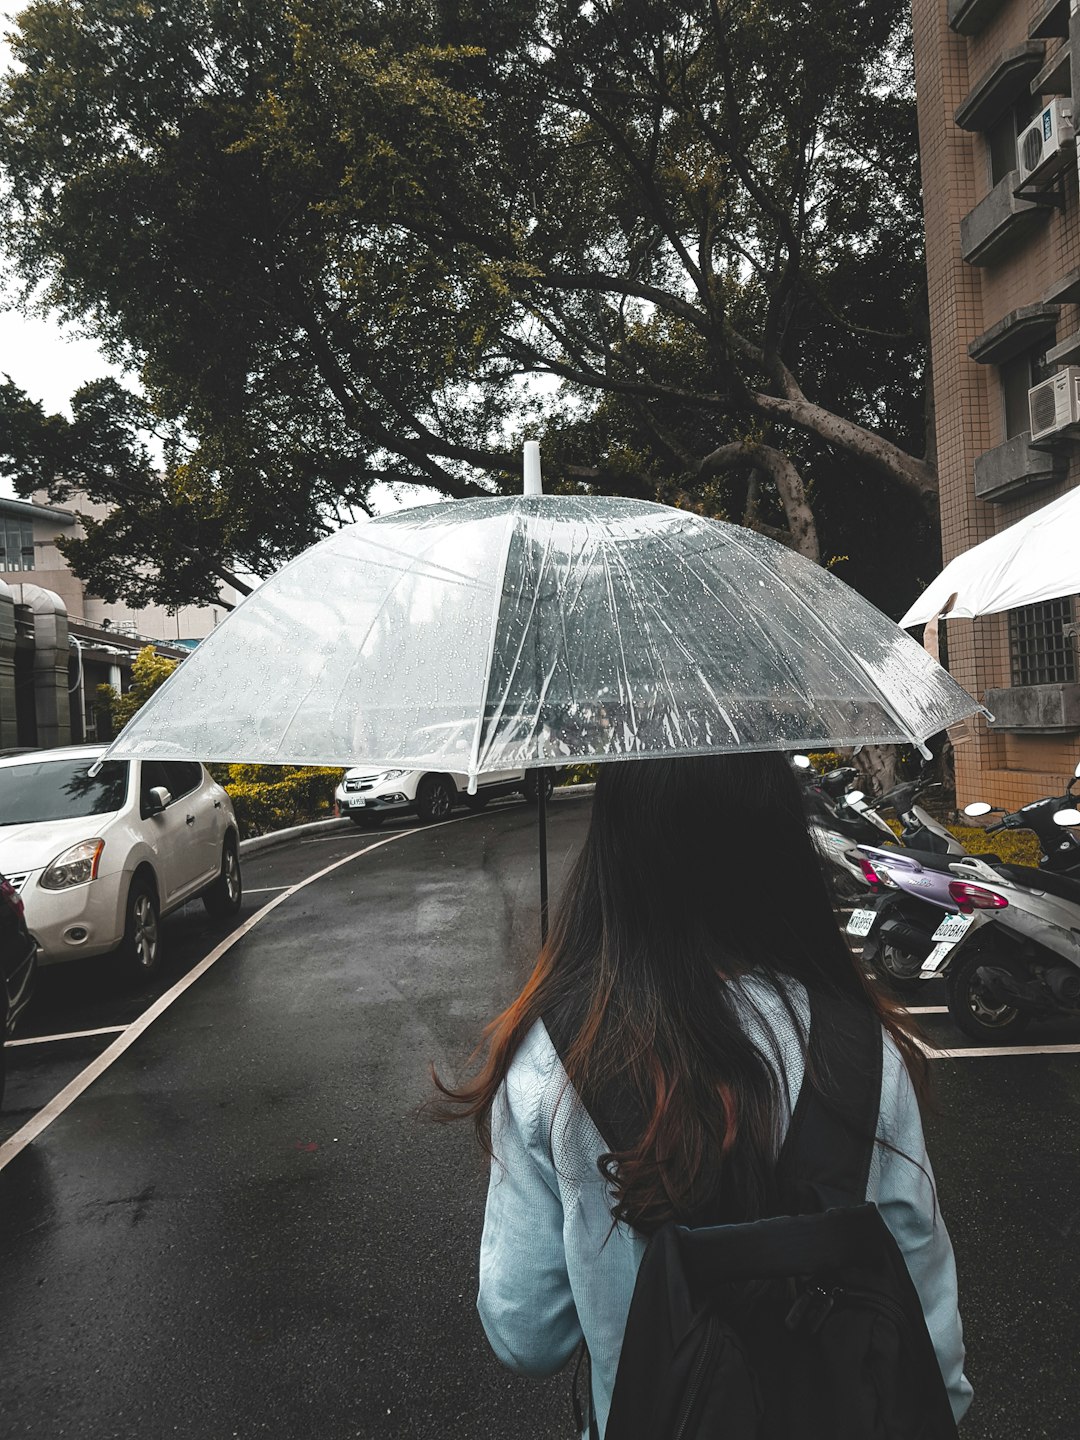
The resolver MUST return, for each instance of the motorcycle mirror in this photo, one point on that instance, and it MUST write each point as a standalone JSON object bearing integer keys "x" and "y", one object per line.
{"x": 1076, "y": 773}
{"x": 1068, "y": 818}
{"x": 977, "y": 807}
{"x": 854, "y": 796}
{"x": 802, "y": 762}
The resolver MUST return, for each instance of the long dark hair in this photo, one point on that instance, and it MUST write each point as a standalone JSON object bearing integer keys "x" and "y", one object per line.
{"x": 694, "y": 872}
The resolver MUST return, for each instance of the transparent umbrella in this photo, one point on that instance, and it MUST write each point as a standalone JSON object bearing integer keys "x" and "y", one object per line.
{"x": 543, "y": 630}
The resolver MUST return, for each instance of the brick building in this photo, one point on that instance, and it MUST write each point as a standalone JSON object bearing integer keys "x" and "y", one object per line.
{"x": 1003, "y": 265}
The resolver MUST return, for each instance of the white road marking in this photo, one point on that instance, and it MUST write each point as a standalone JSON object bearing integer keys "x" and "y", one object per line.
{"x": 927, "y": 1009}
{"x": 993, "y": 1051}
{"x": 262, "y": 889}
{"x": 68, "y": 1035}
{"x": 18, "y": 1142}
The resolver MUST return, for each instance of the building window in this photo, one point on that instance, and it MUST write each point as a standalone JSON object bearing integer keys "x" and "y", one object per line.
{"x": 16, "y": 544}
{"x": 1002, "y": 135}
{"x": 1017, "y": 377}
{"x": 1043, "y": 643}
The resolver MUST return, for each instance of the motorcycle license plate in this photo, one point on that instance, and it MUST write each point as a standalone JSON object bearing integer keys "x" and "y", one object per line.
{"x": 934, "y": 961}
{"x": 861, "y": 922}
{"x": 952, "y": 928}
{"x": 356, "y": 802}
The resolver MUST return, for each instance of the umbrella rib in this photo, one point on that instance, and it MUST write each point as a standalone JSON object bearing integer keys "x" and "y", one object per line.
{"x": 684, "y": 560}
{"x": 416, "y": 560}
{"x": 845, "y": 653}
{"x": 623, "y": 677}
{"x": 500, "y": 581}
{"x": 512, "y": 669}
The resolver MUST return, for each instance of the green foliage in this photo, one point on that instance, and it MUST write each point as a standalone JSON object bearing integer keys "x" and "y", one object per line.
{"x": 824, "y": 760}
{"x": 148, "y": 672}
{"x": 1016, "y": 847}
{"x": 578, "y": 775}
{"x": 332, "y": 239}
{"x": 273, "y": 797}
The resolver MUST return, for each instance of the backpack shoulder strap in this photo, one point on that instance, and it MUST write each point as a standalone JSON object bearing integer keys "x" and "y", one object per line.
{"x": 830, "y": 1142}
{"x": 825, "y": 1158}
{"x": 613, "y": 1110}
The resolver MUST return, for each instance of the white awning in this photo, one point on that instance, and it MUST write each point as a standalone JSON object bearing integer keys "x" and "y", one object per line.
{"x": 1036, "y": 559}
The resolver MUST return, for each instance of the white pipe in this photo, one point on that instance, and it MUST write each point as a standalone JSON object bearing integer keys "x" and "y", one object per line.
{"x": 533, "y": 484}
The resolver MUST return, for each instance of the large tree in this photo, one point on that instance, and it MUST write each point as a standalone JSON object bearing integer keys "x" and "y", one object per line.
{"x": 344, "y": 241}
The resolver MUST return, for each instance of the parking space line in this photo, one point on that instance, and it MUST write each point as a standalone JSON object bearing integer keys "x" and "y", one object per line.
{"x": 262, "y": 889}
{"x": 994, "y": 1051}
{"x": 68, "y": 1035}
{"x": 18, "y": 1142}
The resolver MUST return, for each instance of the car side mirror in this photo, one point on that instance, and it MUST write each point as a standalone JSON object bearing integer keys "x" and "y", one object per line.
{"x": 157, "y": 800}
{"x": 977, "y": 807}
{"x": 1067, "y": 818}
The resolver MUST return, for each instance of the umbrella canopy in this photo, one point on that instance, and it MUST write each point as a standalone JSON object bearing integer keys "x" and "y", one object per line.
{"x": 496, "y": 634}
{"x": 1036, "y": 559}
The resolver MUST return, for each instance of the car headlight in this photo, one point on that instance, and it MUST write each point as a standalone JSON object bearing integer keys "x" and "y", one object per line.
{"x": 393, "y": 774}
{"x": 76, "y": 866}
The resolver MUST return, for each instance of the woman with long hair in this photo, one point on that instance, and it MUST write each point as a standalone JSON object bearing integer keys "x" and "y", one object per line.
{"x": 693, "y": 928}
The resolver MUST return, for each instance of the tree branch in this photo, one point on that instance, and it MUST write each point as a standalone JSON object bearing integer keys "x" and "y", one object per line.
{"x": 789, "y": 485}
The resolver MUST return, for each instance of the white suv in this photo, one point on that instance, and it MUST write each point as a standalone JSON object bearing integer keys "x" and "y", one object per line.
{"x": 368, "y": 795}
{"x": 97, "y": 860}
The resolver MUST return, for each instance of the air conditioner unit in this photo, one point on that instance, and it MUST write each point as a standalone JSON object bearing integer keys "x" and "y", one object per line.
{"x": 1054, "y": 404}
{"x": 1043, "y": 147}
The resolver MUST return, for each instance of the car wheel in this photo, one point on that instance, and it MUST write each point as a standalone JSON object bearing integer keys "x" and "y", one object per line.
{"x": 531, "y": 786}
{"x": 435, "y": 798}
{"x": 974, "y": 1010}
{"x": 225, "y": 896}
{"x": 140, "y": 949}
{"x": 367, "y": 819}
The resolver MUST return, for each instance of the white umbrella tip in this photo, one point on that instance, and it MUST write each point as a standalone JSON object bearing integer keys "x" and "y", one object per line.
{"x": 533, "y": 484}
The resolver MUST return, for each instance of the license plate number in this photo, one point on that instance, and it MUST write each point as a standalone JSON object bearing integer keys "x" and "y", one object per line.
{"x": 861, "y": 922}
{"x": 356, "y": 802}
{"x": 953, "y": 928}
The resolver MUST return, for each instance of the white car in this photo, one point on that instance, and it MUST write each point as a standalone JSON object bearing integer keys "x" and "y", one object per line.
{"x": 97, "y": 860}
{"x": 368, "y": 795}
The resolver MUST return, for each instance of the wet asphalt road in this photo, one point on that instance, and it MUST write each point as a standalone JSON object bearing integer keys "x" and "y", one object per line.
{"x": 243, "y": 1228}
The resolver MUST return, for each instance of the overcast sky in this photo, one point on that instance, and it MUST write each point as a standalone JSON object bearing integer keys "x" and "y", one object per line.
{"x": 42, "y": 358}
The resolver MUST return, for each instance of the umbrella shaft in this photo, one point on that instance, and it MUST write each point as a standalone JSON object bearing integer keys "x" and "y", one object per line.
{"x": 541, "y": 807}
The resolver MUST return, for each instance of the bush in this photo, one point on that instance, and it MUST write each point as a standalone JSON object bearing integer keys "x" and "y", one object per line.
{"x": 825, "y": 760}
{"x": 1015, "y": 847}
{"x": 149, "y": 671}
{"x": 576, "y": 775}
{"x": 273, "y": 797}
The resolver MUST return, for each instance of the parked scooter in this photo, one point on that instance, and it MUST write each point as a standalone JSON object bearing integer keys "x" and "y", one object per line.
{"x": 1009, "y": 942}
{"x": 839, "y": 820}
{"x": 1026, "y": 963}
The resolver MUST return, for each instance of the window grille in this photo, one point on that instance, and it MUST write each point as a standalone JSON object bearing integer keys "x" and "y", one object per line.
{"x": 1043, "y": 643}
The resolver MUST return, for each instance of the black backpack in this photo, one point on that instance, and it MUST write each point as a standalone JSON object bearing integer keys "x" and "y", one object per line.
{"x": 805, "y": 1326}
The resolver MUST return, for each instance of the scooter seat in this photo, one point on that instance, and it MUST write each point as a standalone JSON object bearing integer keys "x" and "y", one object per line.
{"x": 1050, "y": 884}
{"x": 932, "y": 860}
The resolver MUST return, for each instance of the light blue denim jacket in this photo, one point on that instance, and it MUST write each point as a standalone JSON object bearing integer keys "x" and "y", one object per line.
{"x": 552, "y": 1270}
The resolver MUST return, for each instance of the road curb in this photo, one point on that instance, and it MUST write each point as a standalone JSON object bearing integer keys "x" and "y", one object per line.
{"x": 320, "y": 827}
{"x": 294, "y": 832}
